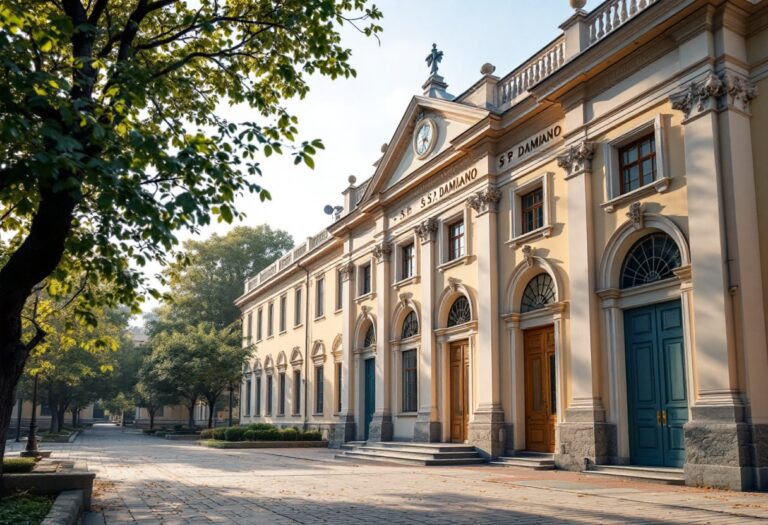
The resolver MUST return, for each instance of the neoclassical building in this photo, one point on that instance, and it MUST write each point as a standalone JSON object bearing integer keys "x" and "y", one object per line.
{"x": 568, "y": 259}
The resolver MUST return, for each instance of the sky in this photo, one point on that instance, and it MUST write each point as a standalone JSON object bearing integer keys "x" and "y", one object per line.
{"x": 355, "y": 116}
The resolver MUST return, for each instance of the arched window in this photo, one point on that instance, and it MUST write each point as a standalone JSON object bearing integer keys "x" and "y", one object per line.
{"x": 651, "y": 259}
{"x": 539, "y": 292}
{"x": 410, "y": 325}
{"x": 370, "y": 337}
{"x": 460, "y": 312}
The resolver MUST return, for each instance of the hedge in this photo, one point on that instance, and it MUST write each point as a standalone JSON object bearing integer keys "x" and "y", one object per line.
{"x": 260, "y": 432}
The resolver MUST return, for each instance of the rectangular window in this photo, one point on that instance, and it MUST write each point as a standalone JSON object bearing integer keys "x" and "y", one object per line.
{"x": 319, "y": 380}
{"x": 296, "y": 392}
{"x": 270, "y": 319}
{"x": 637, "y": 163}
{"x": 320, "y": 297}
{"x": 258, "y": 396}
{"x": 268, "y": 410}
{"x": 533, "y": 210}
{"x": 409, "y": 381}
{"x": 456, "y": 240}
{"x": 281, "y": 395}
{"x": 365, "y": 279}
{"x": 283, "y": 312}
{"x": 249, "y": 327}
{"x": 248, "y": 385}
{"x": 408, "y": 254}
{"x": 45, "y": 410}
{"x": 258, "y": 325}
{"x": 297, "y": 307}
{"x": 338, "y": 387}
{"x": 339, "y": 290}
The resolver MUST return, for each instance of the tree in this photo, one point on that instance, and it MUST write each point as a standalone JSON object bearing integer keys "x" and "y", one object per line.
{"x": 111, "y": 137}
{"x": 204, "y": 287}
{"x": 152, "y": 391}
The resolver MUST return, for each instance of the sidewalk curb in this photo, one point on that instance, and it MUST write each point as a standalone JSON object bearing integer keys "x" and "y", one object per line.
{"x": 66, "y": 508}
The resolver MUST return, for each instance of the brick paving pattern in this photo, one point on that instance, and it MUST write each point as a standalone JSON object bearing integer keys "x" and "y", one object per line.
{"x": 148, "y": 480}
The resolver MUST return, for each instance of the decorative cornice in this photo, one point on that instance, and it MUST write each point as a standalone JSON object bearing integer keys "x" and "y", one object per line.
{"x": 426, "y": 229}
{"x": 636, "y": 215}
{"x": 578, "y": 158}
{"x": 346, "y": 270}
{"x": 382, "y": 251}
{"x": 485, "y": 201}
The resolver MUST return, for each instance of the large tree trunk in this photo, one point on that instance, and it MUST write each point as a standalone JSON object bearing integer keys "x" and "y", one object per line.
{"x": 8, "y": 381}
{"x": 62, "y": 412}
{"x": 151, "y": 412}
{"x": 211, "y": 408}
{"x": 191, "y": 409}
{"x": 53, "y": 410}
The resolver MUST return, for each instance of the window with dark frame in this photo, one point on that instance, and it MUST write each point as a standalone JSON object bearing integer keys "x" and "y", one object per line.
{"x": 296, "y": 392}
{"x": 270, "y": 319}
{"x": 338, "y": 387}
{"x": 258, "y": 395}
{"x": 248, "y": 386}
{"x": 365, "y": 279}
{"x": 297, "y": 307}
{"x": 339, "y": 290}
{"x": 637, "y": 163}
{"x": 320, "y": 297}
{"x": 532, "y": 206}
{"x": 258, "y": 324}
{"x": 408, "y": 257}
{"x": 319, "y": 385}
{"x": 456, "y": 241}
{"x": 283, "y": 312}
{"x": 281, "y": 395}
{"x": 409, "y": 381}
{"x": 268, "y": 410}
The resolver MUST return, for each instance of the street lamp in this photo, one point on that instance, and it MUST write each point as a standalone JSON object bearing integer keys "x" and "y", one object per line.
{"x": 31, "y": 449}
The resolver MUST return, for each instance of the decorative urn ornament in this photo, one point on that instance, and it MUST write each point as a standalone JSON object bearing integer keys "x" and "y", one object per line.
{"x": 578, "y": 4}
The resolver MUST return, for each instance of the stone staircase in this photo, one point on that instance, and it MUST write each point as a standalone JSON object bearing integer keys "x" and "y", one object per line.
{"x": 529, "y": 460}
{"x": 423, "y": 454}
{"x": 665, "y": 475}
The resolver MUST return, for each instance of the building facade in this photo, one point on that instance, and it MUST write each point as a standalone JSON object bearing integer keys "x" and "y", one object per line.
{"x": 570, "y": 258}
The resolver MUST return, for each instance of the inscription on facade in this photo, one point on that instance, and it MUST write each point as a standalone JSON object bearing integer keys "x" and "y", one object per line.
{"x": 521, "y": 151}
{"x": 436, "y": 194}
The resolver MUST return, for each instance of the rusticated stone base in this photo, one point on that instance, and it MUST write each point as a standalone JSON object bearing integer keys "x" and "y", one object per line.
{"x": 426, "y": 431}
{"x": 580, "y": 441}
{"x": 381, "y": 428}
{"x": 718, "y": 455}
{"x": 759, "y": 447}
{"x": 487, "y": 433}
{"x": 341, "y": 432}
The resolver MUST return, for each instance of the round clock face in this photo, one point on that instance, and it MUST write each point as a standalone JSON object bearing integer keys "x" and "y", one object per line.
{"x": 424, "y": 138}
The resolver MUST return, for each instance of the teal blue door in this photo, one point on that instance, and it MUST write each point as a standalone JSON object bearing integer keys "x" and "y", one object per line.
{"x": 657, "y": 392}
{"x": 370, "y": 393}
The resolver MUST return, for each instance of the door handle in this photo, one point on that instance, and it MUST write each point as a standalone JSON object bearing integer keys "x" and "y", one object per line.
{"x": 658, "y": 417}
{"x": 664, "y": 417}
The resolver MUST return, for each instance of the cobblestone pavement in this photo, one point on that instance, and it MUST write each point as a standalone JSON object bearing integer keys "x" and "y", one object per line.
{"x": 148, "y": 480}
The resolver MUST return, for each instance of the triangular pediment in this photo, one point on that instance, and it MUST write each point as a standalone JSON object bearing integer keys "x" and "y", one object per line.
{"x": 401, "y": 159}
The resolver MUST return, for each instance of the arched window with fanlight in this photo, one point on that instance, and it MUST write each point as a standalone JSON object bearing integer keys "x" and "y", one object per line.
{"x": 370, "y": 337}
{"x": 652, "y": 258}
{"x": 410, "y": 326}
{"x": 538, "y": 293}
{"x": 460, "y": 312}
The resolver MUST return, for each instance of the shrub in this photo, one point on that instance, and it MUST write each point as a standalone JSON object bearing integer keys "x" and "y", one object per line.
{"x": 206, "y": 434}
{"x": 233, "y": 434}
{"x": 177, "y": 427}
{"x": 260, "y": 426}
{"x": 272, "y": 434}
{"x": 249, "y": 435}
{"x": 149, "y": 431}
{"x": 290, "y": 434}
{"x": 18, "y": 465}
{"x": 310, "y": 435}
{"x": 218, "y": 433}
{"x": 23, "y": 508}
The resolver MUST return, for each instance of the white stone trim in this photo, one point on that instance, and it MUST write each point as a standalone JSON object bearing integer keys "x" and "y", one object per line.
{"x": 516, "y": 192}
{"x": 522, "y": 275}
{"x": 442, "y": 235}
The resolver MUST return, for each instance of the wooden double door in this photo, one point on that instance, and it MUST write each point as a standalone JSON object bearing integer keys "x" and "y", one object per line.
{"x": 657, "y": 391}
{"x": 459, "y": 390}
{"x": 540, "y": 389}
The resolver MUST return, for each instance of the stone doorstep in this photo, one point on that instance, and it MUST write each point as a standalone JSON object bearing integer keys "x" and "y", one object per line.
{"x": 268, "y": 444}
{"x": 66, "y": 508}
{"x": 663, "y": 475}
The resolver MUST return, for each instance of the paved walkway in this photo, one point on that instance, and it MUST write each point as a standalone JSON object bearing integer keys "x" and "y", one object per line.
{"x": 147, "y": 480}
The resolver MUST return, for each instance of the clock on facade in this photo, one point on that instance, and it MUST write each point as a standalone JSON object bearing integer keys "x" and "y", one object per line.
{"x": 424, "y": 137}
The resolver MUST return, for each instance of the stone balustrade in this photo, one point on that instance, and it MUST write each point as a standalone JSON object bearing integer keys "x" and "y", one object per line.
{"x": 608, "y": 16}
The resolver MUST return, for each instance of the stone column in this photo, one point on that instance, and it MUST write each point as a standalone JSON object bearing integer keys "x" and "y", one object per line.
{"x": 427, "y": 427}
{"x": 716, "y": 437}
{"x": 613, "y": 321}
{"x": 583, "y": 433}
{"x": 515, "y": 429}
{"x": 486, "y": 430}
{"x": 381, "y": 424}
{"x": 344, "y": 429}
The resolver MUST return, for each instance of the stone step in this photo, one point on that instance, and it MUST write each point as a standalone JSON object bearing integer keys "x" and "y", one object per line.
{"x": 417, "y": 453}
{"x": 406, "y": 459}
{"x": 430, "y": 448}
{"x": 351, "y": 445}
{"x": 533, "y": 462}
{"x": 665, "y": 475}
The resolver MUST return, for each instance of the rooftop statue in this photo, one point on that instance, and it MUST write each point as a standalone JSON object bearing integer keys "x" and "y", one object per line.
{"x": 433, "y": 59}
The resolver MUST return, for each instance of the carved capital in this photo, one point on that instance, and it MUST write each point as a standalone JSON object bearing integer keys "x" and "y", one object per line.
{"x": 485, "y": 201}
{"x": 636, "y": 215}
{"x": 739, "y": 90}
{"x": 699, "y": 95}
{"x": 426, "y": 229}
{"x": 346, "y": 270}
{"x": 578, "y": 158}
{"x": 382, "y": 251}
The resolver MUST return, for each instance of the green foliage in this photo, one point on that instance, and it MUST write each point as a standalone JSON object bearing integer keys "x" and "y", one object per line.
{"x": 18, "y": 465}
{"x": 260, "y": 426}
{"x": 149, "y": 431}
{"x": 271, "y": 434}
{"x": 23, "y": 508}
{"x": 234, "y": 434}
{"x": 206, "y": 433}
{"x": 249, "y": 435}
{"x": 289, "y": 434}
{"x": 218, "y": 433}
{"x": 310, "y": 435}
